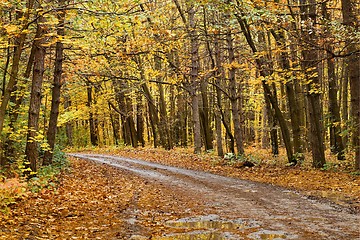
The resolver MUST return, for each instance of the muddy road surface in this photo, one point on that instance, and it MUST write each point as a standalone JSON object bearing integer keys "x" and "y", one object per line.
{"x": 240, "y": 209}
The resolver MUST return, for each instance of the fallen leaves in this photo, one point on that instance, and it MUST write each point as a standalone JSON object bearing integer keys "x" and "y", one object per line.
{"x": 94, "y": 201}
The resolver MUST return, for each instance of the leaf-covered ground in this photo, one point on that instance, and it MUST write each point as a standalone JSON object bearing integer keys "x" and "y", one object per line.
{"x": 95, "y": 201}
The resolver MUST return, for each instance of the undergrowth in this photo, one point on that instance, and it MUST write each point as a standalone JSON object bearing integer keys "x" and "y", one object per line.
{"x": 14, "y": 186}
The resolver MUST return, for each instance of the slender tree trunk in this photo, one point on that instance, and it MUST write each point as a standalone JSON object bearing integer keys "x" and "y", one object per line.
{"x": 182, "y": 116}
{"x": 194, "y": 81}
{"x": 94, "y": 138}
{"x": 6, "y": 67}
{"x": 265, "y": 140}
{"x": 234, "y": 97}
{"x": 294, "y": 109}
{"x": 205, "y": 120}
{"x": 164, "y": 127}
{"x": 218, "y": 113}
{"x": 31, "y": 150}
{"x": 68, "y": 125}
{"x": 345, "y": 97}
{"x": 56, "y": 91}
{"x": 140, "y": 119}
{"x": 153, "y": 115}
{"x": 310, "y": 65}
{"x": 115, "y": 124}
{"x": 336, "y": 143}
{"x": 131, "y": 123}
{"x": 350, "y": 18}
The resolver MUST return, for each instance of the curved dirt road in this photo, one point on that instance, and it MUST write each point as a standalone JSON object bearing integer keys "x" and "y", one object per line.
{"x": 277, "y": 212}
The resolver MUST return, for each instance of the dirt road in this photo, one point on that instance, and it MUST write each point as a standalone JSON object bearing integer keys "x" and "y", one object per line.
{"x": 241, "y": 209}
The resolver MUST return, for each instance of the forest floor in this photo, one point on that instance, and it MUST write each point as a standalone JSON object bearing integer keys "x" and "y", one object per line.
{"x": 98, "y": 201}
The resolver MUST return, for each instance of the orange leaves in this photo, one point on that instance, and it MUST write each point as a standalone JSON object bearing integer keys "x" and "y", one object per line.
{"x": 10, "y": 190}
{"x": 94, "y": 201}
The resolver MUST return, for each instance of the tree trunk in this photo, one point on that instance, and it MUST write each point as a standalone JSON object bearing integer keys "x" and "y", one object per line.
{"x": 350, "y": 19}
{"x": 265, "y": 140}
{"x": 31, "y": 150}
{"x": 310, "y": 66}
{"x": 140, "y": 119}
{"x": 56, "y": 91}
{"x": 194, "y": 81}
{"x": 234, "y": 96}
{"x": 94, "y": 136}
{"x": 164, "y": 127}
{"x": 68, "y": 125}
{"x": 205, "y": 120}
{"x": 345, "y": 97}
{"x": 336, "y": 143}
{"x": 153, "y": 115}
{"x": 294, "y": 108}
{"x": 218, "y": 113}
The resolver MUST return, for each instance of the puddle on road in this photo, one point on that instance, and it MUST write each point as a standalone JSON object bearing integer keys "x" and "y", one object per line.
{"x": 271, "y": 235}
{"x": 212, "y": 227}
{"x": 212, "y": 222}
{"x": 199, "y": 235}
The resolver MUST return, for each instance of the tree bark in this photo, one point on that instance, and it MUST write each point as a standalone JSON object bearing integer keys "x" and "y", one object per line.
{"x": 56, "y": 90}
{"x": 194, "y": 81}
{"x": 93, "y": 125}
{"x": 294, "y": 108}
{"x": 68, "y": 125}
{"x": 31, "y": 150}
{"x": 234, "y": 96}
{"x": 205, "y": 119}
{"x": 140, "y": 119}
{"x": 350, "y": 20}
{"x": 310, "y": 66}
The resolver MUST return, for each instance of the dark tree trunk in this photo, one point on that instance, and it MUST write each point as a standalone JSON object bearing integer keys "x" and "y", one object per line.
{"x": 194, "y": 81}
{"x": 31, "y": 150}
{"x": 310, "y": 66}
{"x": 56, "y": 91}
{"x": 265, "y": 140}
{"x": 131, "y": 123}
{"x": 16, "y": 101}
{"x": 293, "y": 106}
{"x": 68, "y": 125}
{"x": 115, "y": 124}
{"x": 218, "y": 113}
{"x": 336, "y": 142}
{"x": 164, "y": 128}
{"x": 182, "y": 116}
{"x": 344, "y": 102}
{"x": 350, "y": 20}
{"x": 93, "y": 124}
{"x": 205, "y": 119}
{"x": 234, "y": 97}
{"x": 140, "y": 120}
{"x": 153, "y": 115}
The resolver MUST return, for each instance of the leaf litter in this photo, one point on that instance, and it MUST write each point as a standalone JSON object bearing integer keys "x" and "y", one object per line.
{"x": 97, "y": 202}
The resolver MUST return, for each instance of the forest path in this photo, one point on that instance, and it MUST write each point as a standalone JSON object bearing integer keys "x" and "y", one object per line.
{"x": 238, "y": 209}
